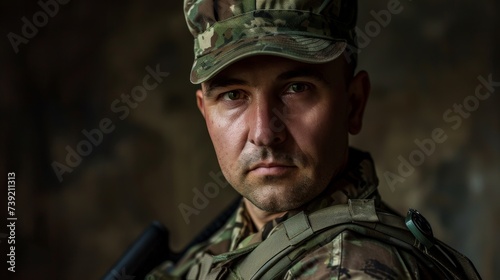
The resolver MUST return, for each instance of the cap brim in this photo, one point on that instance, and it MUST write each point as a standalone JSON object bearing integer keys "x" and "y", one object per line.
{"x": 296, "y": 47}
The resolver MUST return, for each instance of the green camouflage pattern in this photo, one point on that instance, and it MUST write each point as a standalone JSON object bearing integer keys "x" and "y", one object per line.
{"x": 348, "y": 255}
{"x": 307, "y": 31}
{"x": 354, "y": 256}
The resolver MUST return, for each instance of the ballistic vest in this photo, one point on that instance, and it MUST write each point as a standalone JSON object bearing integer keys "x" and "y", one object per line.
{"x": 271, "y": 258}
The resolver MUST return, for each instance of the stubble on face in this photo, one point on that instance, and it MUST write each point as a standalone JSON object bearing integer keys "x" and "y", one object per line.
{"x": 274, "y": 193}
{"x": 313, "y": 144}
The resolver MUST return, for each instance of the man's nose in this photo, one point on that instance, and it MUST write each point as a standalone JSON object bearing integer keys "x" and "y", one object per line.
{"x": 266, "y": 123}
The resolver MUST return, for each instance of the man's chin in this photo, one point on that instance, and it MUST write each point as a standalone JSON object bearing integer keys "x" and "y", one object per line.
{"x": 277, "y": 202}
{"x": 275, "y": 194}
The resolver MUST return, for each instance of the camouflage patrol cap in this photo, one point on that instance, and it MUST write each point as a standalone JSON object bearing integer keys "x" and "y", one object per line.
{"x": 225, "y": 31}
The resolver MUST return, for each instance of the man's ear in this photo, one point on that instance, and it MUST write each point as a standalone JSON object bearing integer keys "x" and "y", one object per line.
{"x": 199, "y": 101}
{"x": 358, "y": 90}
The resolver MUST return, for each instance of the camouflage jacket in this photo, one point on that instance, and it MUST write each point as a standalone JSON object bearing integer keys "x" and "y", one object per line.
{"x": 348, "y": 256}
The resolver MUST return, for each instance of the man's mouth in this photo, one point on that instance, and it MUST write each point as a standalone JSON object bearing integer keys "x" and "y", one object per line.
{"x": 271, "y": 168}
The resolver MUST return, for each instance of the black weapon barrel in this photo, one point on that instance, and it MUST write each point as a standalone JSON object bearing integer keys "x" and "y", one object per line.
{"x": 149, "y": 250}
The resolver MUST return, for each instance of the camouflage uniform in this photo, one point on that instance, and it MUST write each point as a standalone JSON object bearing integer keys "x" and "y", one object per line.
{"x": 311, "y": 31}
{"x": 348, "y": 256}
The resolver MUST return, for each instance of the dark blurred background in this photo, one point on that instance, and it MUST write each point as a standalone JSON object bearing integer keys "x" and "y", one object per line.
{"x": 67, "y": 73}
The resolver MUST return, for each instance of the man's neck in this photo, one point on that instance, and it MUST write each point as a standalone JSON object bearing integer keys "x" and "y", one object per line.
{"x": 260, "y": 217}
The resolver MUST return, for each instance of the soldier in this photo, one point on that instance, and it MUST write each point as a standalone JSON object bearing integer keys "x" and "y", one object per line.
{"x": 280, "y": 95}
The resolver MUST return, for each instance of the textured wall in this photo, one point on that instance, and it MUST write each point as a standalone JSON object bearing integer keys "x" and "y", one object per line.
{"x": 70, "y": 75}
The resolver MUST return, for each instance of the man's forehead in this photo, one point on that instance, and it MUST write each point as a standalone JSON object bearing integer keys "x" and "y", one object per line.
{"x": 250, "y": 69}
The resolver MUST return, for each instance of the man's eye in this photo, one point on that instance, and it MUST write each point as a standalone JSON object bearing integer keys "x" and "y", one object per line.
{"x": 297, "y": 87}
{"x": 232, "y": 95}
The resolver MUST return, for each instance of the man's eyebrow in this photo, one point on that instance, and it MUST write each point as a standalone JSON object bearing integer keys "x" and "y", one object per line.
{"x": 219, "y": 82}
{"x": 304, "y": 72}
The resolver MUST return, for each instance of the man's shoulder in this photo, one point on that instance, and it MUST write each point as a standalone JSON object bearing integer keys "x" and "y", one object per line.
{"x": 352, "y": 241}
{"x": 351, "y": 254}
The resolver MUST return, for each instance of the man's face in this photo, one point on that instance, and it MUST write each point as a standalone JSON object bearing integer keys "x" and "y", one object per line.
{"x": 280, "y": 127}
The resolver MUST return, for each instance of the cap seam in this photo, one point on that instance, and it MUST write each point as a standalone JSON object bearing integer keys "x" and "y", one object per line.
{"x": 277, "y": 10}
{"x": 298, "y": 33}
